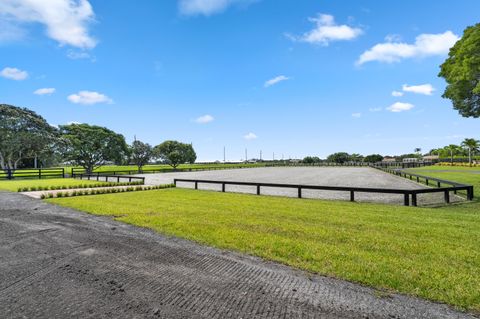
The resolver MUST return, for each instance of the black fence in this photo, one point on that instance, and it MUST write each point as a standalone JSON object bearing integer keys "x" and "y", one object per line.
{"x": 110, "y": 178}
{"x": 353, "y": 164}
{"x": 76, "y": 171}
{"x": 407, "y": 193}
{"x": 32, "y": 173}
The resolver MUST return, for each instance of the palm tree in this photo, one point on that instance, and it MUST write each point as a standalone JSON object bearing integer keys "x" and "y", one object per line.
{"x": 417, "y": 150}
{"x": 472, "y": 145}
{"x": 452, "y": 149}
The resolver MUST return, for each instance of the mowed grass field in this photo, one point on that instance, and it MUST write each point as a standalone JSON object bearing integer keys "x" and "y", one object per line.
{"x": 432, "y": 253}
{"x": 14, "y": 185}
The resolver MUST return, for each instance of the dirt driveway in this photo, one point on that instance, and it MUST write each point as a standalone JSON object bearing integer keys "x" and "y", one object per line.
{"x": 60, "y": 263}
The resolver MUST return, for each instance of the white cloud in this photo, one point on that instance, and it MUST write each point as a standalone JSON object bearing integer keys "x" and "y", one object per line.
{"x": 425, "y": 45}
{"x": 250, "y": 136}
{"x": 204, "y": 119}
{"x": 14, "y": 74}
{"x": 397, "y": 93}
{"x": 326, "y": 31}
{"x": 375, "y": 109}
{"x": 207, "y": 7}
{"x": 425, "y": 89}
{"x": 276, "y": 80}
{"x": 44, "y": 91}
{"x": 66, "y": 21}
{"x": 356, "y": 115}
{"x": 400, "y": 107}
{"x": 89, "y": 97}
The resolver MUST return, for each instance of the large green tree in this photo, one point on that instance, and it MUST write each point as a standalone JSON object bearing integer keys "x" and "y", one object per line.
{"x": 90, "y": 146}
{"x": 461, "y": 70}
{"x": 140, "y": 153}
{"x": 340, "y": 157}
{"x": 175, "y": 153}
{"x": 23, "y": 134}
{"x": 472, "y": 145}
{"x": 373, "y": 158}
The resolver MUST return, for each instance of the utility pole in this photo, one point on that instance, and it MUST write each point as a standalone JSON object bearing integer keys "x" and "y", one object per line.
{"x": 224, "y": 157}
{"x": 246, "y": 156}
{"x": 260, "y": 155}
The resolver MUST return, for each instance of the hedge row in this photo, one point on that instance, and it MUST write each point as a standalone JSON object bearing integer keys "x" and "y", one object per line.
{"x": 46, "y": 188}
{"x": 458, "y": 164}
{"x": 104, "y": 191}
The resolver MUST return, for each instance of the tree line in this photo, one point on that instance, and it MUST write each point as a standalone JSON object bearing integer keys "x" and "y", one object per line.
{"x": 25, "y": 135}
{"x": 468, "y": 149}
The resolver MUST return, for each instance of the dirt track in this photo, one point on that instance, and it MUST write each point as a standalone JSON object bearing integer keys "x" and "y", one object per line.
{"x": 60, "y": 263}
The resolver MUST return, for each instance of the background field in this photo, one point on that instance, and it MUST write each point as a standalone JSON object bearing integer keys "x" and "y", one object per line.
{"x": 428, "y": 252}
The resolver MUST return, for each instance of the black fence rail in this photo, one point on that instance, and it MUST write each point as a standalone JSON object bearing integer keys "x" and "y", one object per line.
{"x": 32, "y": 173}
{"x": 110, "y": 178}
{"x": 76, "y": 171}
{"x": 353, "y": 164}
{"x": 407, "y": 193}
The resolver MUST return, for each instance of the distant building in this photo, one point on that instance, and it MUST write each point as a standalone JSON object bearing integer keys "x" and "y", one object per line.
{"x": 410, "y": 160}
{"x": 389, "y": 159}
{"x": 431, "y": 158}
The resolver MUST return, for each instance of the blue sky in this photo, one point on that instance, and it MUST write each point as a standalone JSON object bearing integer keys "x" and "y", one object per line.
{"x": 292, "y": 77}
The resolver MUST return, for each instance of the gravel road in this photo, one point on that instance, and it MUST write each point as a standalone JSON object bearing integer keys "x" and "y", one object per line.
{"x": 325, "y": 176}
{"x": 60, "y": 263}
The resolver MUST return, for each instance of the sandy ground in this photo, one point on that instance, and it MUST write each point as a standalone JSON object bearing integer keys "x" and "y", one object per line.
{"x": 325, "y": 176}
{"x": 60, "y": 263}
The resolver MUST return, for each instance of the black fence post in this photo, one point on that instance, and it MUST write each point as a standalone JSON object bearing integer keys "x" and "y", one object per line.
{"x": 196, "y": 185}
{"x": 406, "y": 199}
{"x": 223, "y": 187}
{"x": 470, "y": 193}
{"x": 9, "y": 174}
{"x": 352, "y": 196}
{"x": 299, "y": 192}
{"x": 258, "y": 189}
{"x": 447, "y": 197}
{"x": 414, "y": 199}
{"x": 175, "y": 182}
{"x": 63, "y": 172}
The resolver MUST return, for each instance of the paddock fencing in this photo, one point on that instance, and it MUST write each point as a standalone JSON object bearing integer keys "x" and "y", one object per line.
{"x": 41, "y": 173}
{"x": 410, "y": 196}
{"x": 110, "y": 178}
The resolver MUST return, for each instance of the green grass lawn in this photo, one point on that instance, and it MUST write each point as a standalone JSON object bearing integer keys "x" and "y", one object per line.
{"x": 14, "y": 185}
{"x": 433, "y": 253}
{"x": 465, "y": 175}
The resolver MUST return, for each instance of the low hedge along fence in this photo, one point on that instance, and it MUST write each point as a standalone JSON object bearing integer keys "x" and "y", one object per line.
{"x": 104, "y": 191}
{"x": 59, "y": 187}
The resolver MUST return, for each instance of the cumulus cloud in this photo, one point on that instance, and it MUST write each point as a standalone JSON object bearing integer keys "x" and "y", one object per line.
{"x": 397, "y": 93}
{"x": 425, "y": 89}
{"x": 400, "y": 107}
{"x": 44, "y": 91}
{"x": 425, "y": 45}
{"x": 326, "y": 31}
{"x": 356, "y": 115}
{"x": 250, "y": 136}
{"x": 14, "y": 74}
{"x": 276, "y": 80}
{"x": 89, "y": 98}
{"x": 204, "y": 119}
{"x": 207, "y": 7}
{"x": 66, "y": 21}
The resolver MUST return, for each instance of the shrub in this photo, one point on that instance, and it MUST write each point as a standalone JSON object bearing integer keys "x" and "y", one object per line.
{"x": 50, "y": 195}
{"x": 59, "y": 194}
{"x": 43, "y": 196}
